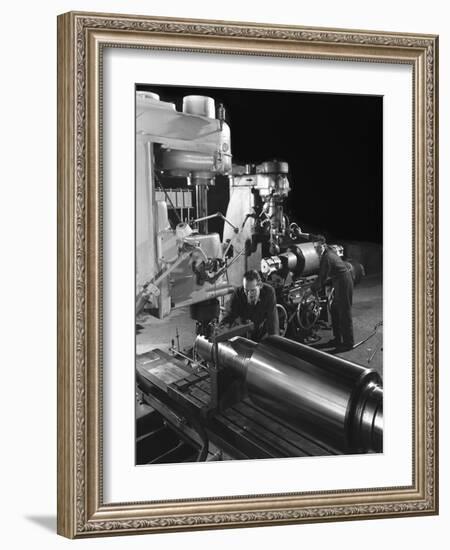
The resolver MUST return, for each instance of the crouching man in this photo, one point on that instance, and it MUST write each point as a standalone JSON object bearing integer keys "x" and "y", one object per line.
{"x": 255, "y": 301}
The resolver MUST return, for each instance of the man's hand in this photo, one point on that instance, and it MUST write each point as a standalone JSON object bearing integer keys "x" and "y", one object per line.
{"x": 224, "y": 323}
{"x": 227, "y": 323}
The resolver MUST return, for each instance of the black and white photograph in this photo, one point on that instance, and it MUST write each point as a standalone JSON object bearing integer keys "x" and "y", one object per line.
{"x": 259, "y": 263}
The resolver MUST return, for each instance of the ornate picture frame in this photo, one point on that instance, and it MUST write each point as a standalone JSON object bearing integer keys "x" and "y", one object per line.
{"x": 82, "y": 38}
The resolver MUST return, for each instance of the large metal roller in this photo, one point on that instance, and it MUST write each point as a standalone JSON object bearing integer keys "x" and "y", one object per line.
{"x": 334, "y": 400}
{"x": 302, "y": 259}
{"x": 308, "y": 261}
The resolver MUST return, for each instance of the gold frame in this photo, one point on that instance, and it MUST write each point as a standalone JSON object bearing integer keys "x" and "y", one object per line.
{"x": 81, "y": 37}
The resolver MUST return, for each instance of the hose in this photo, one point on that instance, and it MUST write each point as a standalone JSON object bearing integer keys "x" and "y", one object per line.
{"x": 375, "y": 328}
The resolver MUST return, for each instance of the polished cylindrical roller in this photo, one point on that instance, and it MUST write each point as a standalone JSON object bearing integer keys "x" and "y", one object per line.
{"x": 288, "y": 260}
{"x": 302, "y": 259}
{"x": 308, "y": 260}
{"x": 350, "y": 395}
{"x": 336, "y": 401}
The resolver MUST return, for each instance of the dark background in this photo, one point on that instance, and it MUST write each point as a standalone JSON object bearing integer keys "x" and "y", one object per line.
{"x": 332, "y": 143}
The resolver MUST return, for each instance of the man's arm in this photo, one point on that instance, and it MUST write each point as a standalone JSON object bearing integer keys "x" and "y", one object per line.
{"x": 273, "y": 327}
{"x": 232, "y": 310}
{"x": 324, "y": 271}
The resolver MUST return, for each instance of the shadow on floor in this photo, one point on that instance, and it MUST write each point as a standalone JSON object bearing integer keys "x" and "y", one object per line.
{"x": 47, "y": 522}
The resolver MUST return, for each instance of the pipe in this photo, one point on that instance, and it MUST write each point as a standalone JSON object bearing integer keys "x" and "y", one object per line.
{"x": 334, "y": 400}
{"x": 201, "y": 200}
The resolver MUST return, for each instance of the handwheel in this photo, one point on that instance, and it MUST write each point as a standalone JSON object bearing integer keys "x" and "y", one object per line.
{"x": 308, "y": 311}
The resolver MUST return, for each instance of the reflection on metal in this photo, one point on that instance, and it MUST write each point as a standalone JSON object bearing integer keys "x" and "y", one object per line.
{"x": 333, "y": 399}
{"x": 307, "y": 259}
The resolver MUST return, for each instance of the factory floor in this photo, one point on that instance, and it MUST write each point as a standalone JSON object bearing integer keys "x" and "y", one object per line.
{"x": 367, "y": 314}
{"x": 178, "y": 329}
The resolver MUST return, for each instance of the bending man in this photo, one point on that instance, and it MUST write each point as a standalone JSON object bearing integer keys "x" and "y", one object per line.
{"x": 254, "y": 301}
{"x": 334, "y": 268}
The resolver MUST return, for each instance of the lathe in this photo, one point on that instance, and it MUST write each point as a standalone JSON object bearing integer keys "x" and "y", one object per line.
{"x": 278, "y": 398}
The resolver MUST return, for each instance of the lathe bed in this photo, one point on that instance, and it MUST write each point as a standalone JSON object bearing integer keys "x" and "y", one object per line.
{"x": 242, "y": 430}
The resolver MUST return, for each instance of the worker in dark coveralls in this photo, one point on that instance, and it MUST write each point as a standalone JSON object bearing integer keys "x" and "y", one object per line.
{"x": 333, "y": 267}
{"x": 254, "y": 301}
